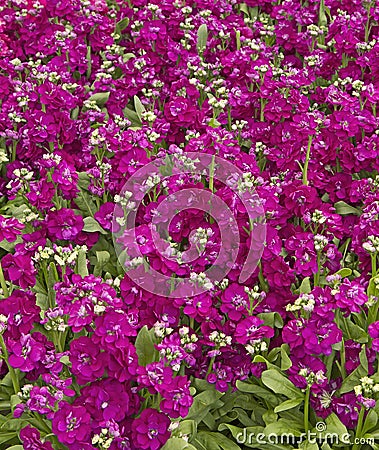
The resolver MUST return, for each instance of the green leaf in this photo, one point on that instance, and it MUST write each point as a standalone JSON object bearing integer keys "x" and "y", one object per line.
{"x": 241, "y": 435}
{"x": 139, "y": 107}
{"x": 16, "y": 447}
{"x": 74, "y": 113}
{"x": 202, "y": 37}
{"x": 89, "y": 61}
{"x": 344, "y": 209}
{"x": 9, "y": 246}
{"x": 363, "y": 358}
{"x": 285, "y": 361}
{"x": 209, "y": 439}
{"x": 280, "y": 384}
{"x": 282, "y": 427}
{"x": 81, "y": 263}
{"x": 306, "y": 445}
{"x": 373, "y": 287}
{"x": 145, "y": 346}
{"x": 345, "y": 272}
{"x": 102, "y": 258}
{"x": 91, "y": 225}
{"x": 175, "y": 443}
{"x": 352, "y": 380}
{"x": 85, "y": 203}
{"x": 272, "y": 319}
{"x": 353, "y": 331}
{"x": 6, "y": 437}
{"x": 259, "y": 391}
{"x": 370, "y": 421}
{"x": 121, "y": 25}
{"x": 269, "y": 417}
{"x": 133, "y": 117}
{"x": 289, "y": 404}
{"x": 100, "y": 98}
{"x": 305, "y": 287}
{"x": 214, "y": 123}
{"x": 202, "y": 404}
{"x": 128, "y": 56}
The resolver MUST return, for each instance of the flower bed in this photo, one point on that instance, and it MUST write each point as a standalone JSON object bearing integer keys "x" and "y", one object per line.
{"x": 189, "y": 224}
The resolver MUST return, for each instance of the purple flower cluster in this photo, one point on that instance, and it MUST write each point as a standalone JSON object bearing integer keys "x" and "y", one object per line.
{"x": 93, "y": 91}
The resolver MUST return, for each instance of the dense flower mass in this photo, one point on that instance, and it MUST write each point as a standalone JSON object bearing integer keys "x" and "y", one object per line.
{"x": 148, "y": 150}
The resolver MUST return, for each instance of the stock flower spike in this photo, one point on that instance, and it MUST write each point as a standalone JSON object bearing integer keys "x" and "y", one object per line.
{"x": 189, "y": 224}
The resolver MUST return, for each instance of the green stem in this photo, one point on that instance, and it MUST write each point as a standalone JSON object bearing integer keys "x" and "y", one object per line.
{"x": 305, "y": 170}
{"x": 12, "y": 372}
{"x": 4, "y": 286}
{"x": 317, "y": 274}
{"x": 373, "y": 265}
{"x": 306, "y": 409}
{"x": 343, "y": 360}
{"x": 210, "y": 367}
{"x": 359, "y": 428}
{"x": 211, "y": 173}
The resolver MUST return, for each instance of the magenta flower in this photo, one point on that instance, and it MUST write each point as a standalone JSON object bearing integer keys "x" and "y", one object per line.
{"x": 351, "y": 296}
{"x": 177, "y": 399}
{"x": 88, "y": 362}
{"x": 250, "y": 330}
{"x": 150, "y": 430}
{"x": 26, "y": 353}
{"x": 71, "y": 424}
{"x": 31, "y": 439}
{"x": 64, "y": 224}
{"x": 10, "y": 228}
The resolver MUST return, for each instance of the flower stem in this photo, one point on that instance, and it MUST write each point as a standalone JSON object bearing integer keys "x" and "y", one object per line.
{"x": 306, "y": 409}
{"x": 210, "y": 367}
{"x": 12, "y": 372}
{"x": 359, "y": 428}
{"x": 305, "y": 170}
{"x": 3, "y": 283}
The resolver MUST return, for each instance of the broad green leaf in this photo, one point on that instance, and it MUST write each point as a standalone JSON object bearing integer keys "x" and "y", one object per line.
{"x": 305, "y": 287}
{"x": 370, "y": 421}
{"x": 345, "y": 209}
{"x": 218, "y": 439}
{"x": 259, "y": 391}
{"x": 285, "y": 361}
{"x": 102, "y": 258}
{"x": 6, "y": 437}
{"x": 278, "y": 383}
{"x": 133, "y": 117}
{"x": 85, "y": 203}
{"x": 306, "y": 445}
{"x": 16, "y": 447}
{"x": 176, "y": 443}
{"x": 353, "y": 331}
{"x": 100, "y": 98}
{"x": 91, "y": 225}
{"x": 145, "y": 346}
{"x": 128, "y": 56}
{"x": 81, "y": 263}
{"x": 121, "y": 25}
{"x": 352, "y": 380}
{"x": 202, "y": 37}
{"x": 363, "y": 358}
{"x": 202, "y": 404}
{"x": 269, "y": 417}
{"x": 345, "y": 272}
{"x": 272, "y": 319}
{"x": 139, "y": 107}
{"x": 289, "y": 404}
